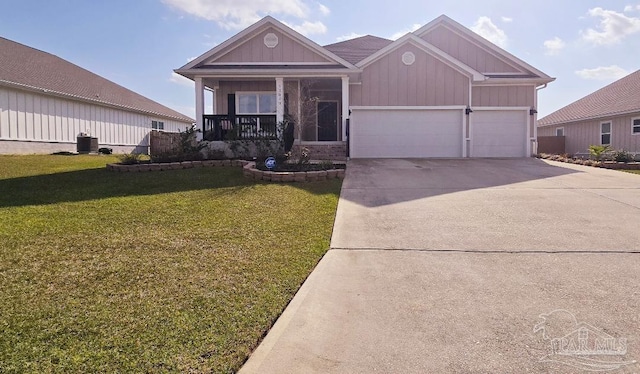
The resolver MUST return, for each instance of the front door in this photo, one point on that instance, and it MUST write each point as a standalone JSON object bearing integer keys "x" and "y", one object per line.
{"x": 327, "y": 121}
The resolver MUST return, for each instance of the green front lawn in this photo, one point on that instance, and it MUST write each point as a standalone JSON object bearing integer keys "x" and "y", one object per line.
{"x": 173, "y": 271}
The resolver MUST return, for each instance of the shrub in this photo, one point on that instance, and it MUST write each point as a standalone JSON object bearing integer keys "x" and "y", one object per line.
{"x": 187, "y": 149}
{"x": 130, "y": 158}
{"x": 597, "y": 151}
{"x": 622, "y": 156}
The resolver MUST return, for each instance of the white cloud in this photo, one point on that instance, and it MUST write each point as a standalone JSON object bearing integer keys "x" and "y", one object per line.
{"x": 488, "y": 30}
{"x": 352, "y": 35}
{"x": 401, "y": 33}
{"x": 631, "y": 8}
{"x": 238, "y": 14}
{"x": 179, "y": 79}
{"x": 554, "y": 46}
{"x": 507, "y": 19}
{"x": 307, "y": 28}
{"x": 609, "y": 73}
{"x": 324, "y": 9}
{"x": 613, "y": 27}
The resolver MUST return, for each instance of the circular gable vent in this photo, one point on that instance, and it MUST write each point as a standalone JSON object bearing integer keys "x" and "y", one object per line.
{"x": 408, "y": 58}
{"x": 271, "y": 40}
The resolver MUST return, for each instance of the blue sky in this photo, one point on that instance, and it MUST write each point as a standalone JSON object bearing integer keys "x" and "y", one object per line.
{"x": 137, "y": 43}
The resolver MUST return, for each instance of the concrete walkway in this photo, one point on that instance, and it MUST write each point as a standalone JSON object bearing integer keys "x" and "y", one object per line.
{"x": 470, "y": 266}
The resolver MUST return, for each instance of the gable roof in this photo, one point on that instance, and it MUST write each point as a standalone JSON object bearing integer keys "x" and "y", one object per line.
{"x": 428, "y": 48}
{"x": 620, "y": 97}
{"x": 443, "y": 20}
{"x": 357, "y": 49}
{"x": 32, "y": 69}
{"x": 253, "y": 29}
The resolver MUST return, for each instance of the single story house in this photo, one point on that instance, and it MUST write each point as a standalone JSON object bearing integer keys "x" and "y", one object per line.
{"x": 46, "y": 102}
{"x": 440, "y": 91}
{"x": 609, "y": 116}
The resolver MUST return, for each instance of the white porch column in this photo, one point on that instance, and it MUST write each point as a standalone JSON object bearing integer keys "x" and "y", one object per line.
{"x": 199, "y": 105}
{"x": 345, "y": 106}
{"x": 213, "y": 101}
{"x": 279, "y": 99}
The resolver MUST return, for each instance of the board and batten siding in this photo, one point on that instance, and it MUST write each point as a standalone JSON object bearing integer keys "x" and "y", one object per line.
{"x": 426, "y": 82}
{"x": 469, "y": 53}
{"x": 580, "y": 135}
{"x": 231, "y": 87}
{"x": 255, "y": 50}
{"x": 503, "y": 96}
{"x": 35, "y": 119}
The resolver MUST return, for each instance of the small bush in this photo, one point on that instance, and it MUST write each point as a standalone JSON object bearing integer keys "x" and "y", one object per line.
{"x": 622, "y": 156}
{"x": 130, "y": 158}
{"x": 326, "y": 165}
{"x": 598, "y": 151}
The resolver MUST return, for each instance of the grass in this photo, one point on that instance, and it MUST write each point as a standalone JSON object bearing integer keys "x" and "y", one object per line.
{"x": 175, "y": 271}
{"x": 633, "y": 171}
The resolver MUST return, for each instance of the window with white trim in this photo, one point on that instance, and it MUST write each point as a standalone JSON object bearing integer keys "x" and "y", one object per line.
{"x": 157, "y": 125}
{"x": 635, "y": 126}
{"x": 605, "y": 133}
{"x": 256, "y": 103}
{"x": 560, "y": 131}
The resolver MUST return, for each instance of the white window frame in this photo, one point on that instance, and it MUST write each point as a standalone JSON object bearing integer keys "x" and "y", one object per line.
{"x": 157, "y": 125}
{"x": 606, "y": 133}
{"x": 634, "y": 126}
{"x": 257, "y": 94}
{"x": 560, "y": 129}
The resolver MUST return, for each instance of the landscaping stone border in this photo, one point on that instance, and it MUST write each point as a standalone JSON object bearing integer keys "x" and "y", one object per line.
{"x": 248, "y": 170}
{"x": 598, "y": 164}
{"x": 174, "y": 165}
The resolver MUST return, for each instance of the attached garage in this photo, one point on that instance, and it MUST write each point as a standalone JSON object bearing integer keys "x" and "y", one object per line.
{"x": 406, "y": 133}
{"x": 498, "y": 133}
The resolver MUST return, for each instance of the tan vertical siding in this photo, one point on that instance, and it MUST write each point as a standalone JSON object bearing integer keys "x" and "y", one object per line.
{"x": 580, "y": 135}
{"x": 427, "y": 82}
{"x": 287, "y": 50}
{"x": 504, "y": 96}
{"x": 466, "y": 51}
{"x": 231, "y": 87}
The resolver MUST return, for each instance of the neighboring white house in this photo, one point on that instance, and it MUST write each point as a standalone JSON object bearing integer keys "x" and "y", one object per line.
{"x": 46, "y": 102}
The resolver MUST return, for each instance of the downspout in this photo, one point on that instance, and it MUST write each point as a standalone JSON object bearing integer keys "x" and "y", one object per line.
{"x": 535, "y": 120}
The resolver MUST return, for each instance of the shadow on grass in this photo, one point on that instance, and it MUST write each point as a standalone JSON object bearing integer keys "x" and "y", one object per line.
{"x": 92, "y": 184}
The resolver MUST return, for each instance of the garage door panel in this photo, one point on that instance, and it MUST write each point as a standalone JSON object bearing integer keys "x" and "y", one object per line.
{"x": 406, "y": 133}
{"x": 499, "y": 133}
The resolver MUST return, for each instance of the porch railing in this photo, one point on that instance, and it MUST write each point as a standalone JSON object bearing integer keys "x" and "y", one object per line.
{"x": 239, "y": 127}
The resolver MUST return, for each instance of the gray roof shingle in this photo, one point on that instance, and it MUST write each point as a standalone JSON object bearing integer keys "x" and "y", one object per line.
{"x": 356, "y": 50}
{"x": 621, "y": 96}
{"x": 23, "y": 66}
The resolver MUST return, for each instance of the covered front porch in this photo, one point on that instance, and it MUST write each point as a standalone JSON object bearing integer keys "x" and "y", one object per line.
{"x": 245, "y": 109}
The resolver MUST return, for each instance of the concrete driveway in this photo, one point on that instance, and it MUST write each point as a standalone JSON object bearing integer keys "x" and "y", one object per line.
{"x": 470, "y": 266}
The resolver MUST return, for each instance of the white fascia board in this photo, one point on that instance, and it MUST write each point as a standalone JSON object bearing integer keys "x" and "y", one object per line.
{"x": 514, "y": 81}
{"x": 455, "y": 26}
{"x": 442, "y": 107}
{"x": 501, "y": 108}
{"x": 271, "y": 73}
{"x": 428, "y": 48}
{"x": 268, "y": 20}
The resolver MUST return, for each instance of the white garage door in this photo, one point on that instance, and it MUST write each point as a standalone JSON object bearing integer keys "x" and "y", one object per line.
{"x": 499, "y": 133}
{"x": 405, "y": 133}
